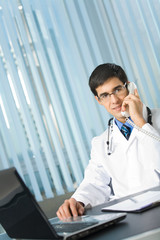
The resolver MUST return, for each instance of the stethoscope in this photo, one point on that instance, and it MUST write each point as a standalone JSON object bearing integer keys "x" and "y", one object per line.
{"x": 110, "y": 129}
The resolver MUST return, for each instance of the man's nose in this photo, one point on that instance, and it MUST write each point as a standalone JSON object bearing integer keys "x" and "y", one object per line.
{"x": 114, "y": 98}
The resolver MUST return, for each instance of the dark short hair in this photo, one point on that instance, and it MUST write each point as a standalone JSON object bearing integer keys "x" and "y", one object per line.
{"x": 103, "y": 72}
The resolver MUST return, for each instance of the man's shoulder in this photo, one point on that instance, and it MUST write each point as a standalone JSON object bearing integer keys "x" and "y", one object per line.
{"x": 155, "y": 114}
{"x": 155, "y": 110}
{"x": 156, "y": 117}
{"x": 100, "y": 137}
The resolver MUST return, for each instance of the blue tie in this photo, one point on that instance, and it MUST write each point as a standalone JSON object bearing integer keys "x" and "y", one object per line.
{"x": 126, "y": 131}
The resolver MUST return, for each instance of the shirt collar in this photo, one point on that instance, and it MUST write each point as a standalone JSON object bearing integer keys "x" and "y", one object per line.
{"x": 120, "y": 124}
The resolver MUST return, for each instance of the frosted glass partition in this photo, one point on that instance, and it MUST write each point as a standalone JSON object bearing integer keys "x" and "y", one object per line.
{"x": 48, "y": 49}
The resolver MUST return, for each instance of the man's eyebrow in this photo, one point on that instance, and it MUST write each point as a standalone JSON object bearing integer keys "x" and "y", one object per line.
{"x": 105, "y": 93}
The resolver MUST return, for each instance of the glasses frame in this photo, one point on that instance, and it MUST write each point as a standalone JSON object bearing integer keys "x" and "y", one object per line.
{"x": 107, "y": 96}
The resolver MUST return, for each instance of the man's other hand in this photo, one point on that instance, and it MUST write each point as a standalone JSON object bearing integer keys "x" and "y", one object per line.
{"x": 69, "y": 208}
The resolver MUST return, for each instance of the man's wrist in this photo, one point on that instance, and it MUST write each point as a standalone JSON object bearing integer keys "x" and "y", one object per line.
{"x": 140, "y": 123}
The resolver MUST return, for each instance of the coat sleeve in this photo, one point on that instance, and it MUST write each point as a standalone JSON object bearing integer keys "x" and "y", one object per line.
{"x": 148, "y": 149}
{"x": 151, "y": 146}
{"x": 94, "y": 188}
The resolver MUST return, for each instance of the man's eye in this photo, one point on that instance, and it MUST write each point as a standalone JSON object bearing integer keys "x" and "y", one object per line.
{"x": 105, "y": 95}
{"x": 118, "y": 89}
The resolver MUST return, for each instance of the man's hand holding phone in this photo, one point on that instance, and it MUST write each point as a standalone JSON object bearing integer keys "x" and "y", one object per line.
{"x": 134, "y": 107}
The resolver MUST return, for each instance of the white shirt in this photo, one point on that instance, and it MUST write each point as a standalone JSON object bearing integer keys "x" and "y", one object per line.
{"x": 131, "y": 166}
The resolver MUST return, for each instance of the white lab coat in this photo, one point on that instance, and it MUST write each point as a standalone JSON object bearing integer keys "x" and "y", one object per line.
{"x": 130, "y": 166}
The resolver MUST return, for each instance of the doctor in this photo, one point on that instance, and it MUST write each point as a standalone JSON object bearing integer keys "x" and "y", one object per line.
{"x": 122, "y": 162}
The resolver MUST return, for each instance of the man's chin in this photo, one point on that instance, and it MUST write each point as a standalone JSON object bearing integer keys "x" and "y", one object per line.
{"x": 120, "y": 118}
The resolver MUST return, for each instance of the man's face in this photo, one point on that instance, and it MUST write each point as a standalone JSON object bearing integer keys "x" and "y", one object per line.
{"x": 113, "y": 102}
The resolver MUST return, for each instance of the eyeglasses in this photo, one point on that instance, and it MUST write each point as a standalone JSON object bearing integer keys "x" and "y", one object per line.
{"x": 105, "y": 97}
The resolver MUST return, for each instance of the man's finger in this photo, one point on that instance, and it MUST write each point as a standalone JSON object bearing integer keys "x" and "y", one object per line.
{"x": 67, "y": 209}
{"x": 61, "y": 214}
{"x": 80, "y": 209}
{"x": 136, "y": 92}
{"x": 73, "y": 208}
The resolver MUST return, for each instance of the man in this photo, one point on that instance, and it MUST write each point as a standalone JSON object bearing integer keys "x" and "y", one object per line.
{"x": 134, "y": 158}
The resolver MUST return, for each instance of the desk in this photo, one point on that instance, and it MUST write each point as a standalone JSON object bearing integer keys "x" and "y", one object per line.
{"x": 133, "y": 224}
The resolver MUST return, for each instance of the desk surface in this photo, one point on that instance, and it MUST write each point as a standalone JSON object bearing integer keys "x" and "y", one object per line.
{"x": 133, "y": 224}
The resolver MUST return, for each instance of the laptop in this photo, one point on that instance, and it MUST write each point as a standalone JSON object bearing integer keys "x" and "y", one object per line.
{"x": 22, "y": 217}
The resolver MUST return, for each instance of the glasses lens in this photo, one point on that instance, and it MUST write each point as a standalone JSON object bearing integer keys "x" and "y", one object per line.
{"x": 106, "y": 97}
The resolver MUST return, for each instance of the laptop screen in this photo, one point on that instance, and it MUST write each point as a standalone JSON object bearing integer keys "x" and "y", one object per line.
{"x": 18, "y": 209}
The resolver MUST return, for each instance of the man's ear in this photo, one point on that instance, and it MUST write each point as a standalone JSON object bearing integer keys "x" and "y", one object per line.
{"x": 98, "y": 100}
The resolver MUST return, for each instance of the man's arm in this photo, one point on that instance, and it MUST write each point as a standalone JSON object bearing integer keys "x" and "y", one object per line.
{"x": 94, "y": 188}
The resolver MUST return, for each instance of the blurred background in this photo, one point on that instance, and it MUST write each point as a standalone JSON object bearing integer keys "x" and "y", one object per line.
{"x": 48, "y": 49}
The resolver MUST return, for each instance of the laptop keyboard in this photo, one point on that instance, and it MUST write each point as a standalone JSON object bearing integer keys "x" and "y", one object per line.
{"x": 71, "y": 227}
